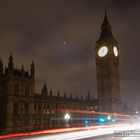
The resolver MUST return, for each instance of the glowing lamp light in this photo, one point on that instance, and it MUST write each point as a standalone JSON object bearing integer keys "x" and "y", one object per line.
{"x": 108, "y": 117}
{"x": 113, "y": 119}
{"x": 86, "y": 122}
{"x": 102, "y": 119}
{"x": 67, "y": 116}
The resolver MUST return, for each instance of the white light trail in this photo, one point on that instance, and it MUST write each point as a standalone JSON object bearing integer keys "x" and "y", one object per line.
{"x": 85, "y": 133}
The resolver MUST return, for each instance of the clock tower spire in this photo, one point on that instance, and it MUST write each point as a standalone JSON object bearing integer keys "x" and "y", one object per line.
{"x": 107, "y": 69}
{"x": 106, "y": 29}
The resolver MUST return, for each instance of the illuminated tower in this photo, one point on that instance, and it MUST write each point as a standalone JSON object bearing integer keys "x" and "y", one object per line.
{"x": 107, "y": 69}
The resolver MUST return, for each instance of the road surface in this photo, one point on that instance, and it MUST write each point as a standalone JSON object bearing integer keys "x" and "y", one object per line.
{"x": 111, "y": 133}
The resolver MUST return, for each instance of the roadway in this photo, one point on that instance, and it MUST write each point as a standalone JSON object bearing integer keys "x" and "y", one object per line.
{"x": 111, "y": 137}
{"x": 107, "y": 133}
{"x": 103, "y": 137}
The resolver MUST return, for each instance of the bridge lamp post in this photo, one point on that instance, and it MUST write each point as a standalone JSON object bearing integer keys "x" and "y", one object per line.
{"x": 67, "y": 118}
{"x": 109, "y": 118}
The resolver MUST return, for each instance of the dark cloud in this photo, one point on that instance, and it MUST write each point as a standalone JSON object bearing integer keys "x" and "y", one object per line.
{"x": 37, "y": 30}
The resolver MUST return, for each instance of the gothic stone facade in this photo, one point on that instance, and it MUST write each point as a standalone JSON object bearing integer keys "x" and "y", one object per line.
{"x": 21, "y": 109}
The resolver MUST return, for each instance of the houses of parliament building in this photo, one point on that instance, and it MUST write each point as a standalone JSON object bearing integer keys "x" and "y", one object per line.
{"x": 21, "y": 109}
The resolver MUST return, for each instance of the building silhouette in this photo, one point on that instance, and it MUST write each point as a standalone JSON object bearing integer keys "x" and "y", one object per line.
{"x": 107, "y": 69}
{"x": 21, "y": 109}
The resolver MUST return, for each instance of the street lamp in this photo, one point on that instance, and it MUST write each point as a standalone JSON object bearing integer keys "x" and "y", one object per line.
{"x": 67, "y": 117}
{"x": 108, "y": 117}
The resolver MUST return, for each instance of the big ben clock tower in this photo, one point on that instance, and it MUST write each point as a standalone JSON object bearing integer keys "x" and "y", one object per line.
{"x": 107, "y": 69}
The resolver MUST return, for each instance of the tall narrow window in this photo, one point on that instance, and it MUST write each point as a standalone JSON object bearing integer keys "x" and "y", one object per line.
{"x": 15, "y": 114}
{"x": 26, "y": 108}
{"x": 26, "y": 115}
{"x": 26, "y": 90}
{"x": 15, "y": 108}
{"x": 16, "y": 89}
{"x": 35, "y": 108}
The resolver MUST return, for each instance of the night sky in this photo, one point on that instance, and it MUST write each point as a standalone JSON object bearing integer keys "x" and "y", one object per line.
{"x": 60, "y": 36}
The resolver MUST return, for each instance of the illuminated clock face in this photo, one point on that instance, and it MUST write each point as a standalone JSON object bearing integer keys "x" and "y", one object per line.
{"x": 115, "y": 50}
{"x": 103, "y": 51}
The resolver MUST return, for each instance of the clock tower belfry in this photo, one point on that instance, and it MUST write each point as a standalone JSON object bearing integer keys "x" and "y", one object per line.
{"x": 107, "y": 70}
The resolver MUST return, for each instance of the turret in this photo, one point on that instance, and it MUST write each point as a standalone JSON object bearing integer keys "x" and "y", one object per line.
{"x": 51, "y": 92}
{"x": 22, "y": 67}
{"x": 88, "y": 96}
{"x": 58, "y": 94}
{"x": 1, "y": 67}
{"x": 11, "y": 63}
{"x": 32, "y": 70}
{"x": 44, "y": 90}
{"x": 22, "y": 70}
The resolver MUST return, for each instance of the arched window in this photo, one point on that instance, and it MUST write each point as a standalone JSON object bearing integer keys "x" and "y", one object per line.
{"x": 16, "y": 89}
{"x": 26, "y": 90}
